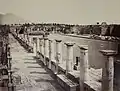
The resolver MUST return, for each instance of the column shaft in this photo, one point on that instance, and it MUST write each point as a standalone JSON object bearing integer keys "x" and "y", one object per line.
{"x": 30, "y": 40}
{"x": 38, "y": 44}
{"x": 84, "y": 65}
{"x": 41, "y": 46}
{"x": 50, "y": 53}
{"x": 69, "y": 58}
{"x": 108, "y": 74}
{"x": 34, "y": 48}
{"x": 45, "y": 50}
{"x": 108, "y": 70}
{"x": 58, "y": 54}
{"x": 69, "y": 61}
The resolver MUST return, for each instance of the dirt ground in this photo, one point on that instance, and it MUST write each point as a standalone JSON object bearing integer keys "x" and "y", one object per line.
{"x": 33, "y": 76}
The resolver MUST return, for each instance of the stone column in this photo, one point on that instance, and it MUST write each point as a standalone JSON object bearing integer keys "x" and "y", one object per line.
{"x": 59, "y": 49}
{"x": 38, "y": 44}
{"x": 18, "y": 36}
{"x": 50, "y": 53}
{"x": 26, "y": 38}
{"x": 9, "y": 60}
{"x": 58, "y": 54}
{"x": 23, "y": 37}
{"x": 84, "y": 65}
{"x": 69, "y": 58}
{"x": 108, "y": 70}
{"x": 34, "y": 48}
{"x": 30, "y": 40}
{"x": 32, "y": 43}
{"x": 45, "y": 49}
{"x": 42, "y": 43}
{"x": 37, "y": 47}
{"x": 52, "y": 50}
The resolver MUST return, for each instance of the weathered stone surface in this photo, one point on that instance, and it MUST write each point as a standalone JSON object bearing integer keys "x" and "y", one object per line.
{"x": 33, "y": 76}
{"x": 66, "y": 83}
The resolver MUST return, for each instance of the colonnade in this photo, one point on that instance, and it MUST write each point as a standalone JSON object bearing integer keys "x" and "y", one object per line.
{"x": 46, "y": 47}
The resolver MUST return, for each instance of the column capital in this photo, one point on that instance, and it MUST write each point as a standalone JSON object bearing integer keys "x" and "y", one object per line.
{"x": 41, "y": 38}
{"x": 83, "y": 47}
{"x": 45, "y": 38}
{"x": 51, "y": 40}
{"x": 109, "y": 52}
{"x": 69, "y": 43}
{"x": 58, "y": 40}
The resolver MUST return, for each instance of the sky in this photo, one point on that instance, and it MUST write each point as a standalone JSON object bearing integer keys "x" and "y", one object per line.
{"x": 64, "y": 11}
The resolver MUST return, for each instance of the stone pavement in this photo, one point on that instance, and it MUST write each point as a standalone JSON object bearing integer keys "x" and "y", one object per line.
{"x": 34, "y": 77}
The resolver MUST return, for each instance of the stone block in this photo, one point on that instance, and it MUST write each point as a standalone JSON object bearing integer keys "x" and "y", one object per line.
{"x": 66, "y": 83}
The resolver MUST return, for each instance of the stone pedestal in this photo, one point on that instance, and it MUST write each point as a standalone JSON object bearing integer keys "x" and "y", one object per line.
{"x": 108, "y": 70}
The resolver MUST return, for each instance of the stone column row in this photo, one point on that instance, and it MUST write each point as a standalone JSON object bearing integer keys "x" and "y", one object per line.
{"x": 51, "y": 53}
{"x": 47, "y": 50}
{"x": 108, "y": 68}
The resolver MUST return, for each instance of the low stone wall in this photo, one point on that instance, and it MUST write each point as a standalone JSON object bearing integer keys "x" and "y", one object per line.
{"x": 62, "y": 71}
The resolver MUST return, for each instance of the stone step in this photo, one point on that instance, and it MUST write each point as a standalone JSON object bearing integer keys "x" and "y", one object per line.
{"x": 66, "y": 83}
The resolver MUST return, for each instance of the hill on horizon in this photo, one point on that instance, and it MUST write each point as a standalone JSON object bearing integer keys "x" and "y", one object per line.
{"x": 10, "y": 18}
{"x": 1, "y": 15}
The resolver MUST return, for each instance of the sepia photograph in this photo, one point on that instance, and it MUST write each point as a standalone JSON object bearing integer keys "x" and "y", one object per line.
{"x": 59, "y": 45}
